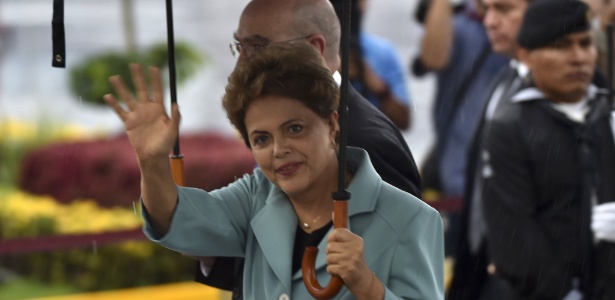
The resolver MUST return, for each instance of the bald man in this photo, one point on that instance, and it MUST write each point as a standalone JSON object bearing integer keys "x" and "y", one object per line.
{"x": 264, "y": 22}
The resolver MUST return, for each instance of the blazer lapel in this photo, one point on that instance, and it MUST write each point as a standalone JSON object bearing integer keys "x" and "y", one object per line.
{"x": 274, "y": 228}
{"x": 365, "y": 190}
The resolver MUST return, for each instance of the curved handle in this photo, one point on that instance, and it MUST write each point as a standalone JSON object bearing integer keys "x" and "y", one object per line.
{"x": 340, "y": 220}
{"x": 177, "y": 169}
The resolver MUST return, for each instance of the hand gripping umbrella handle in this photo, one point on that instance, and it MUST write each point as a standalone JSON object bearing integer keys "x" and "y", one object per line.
{"x": 340, "y": 220}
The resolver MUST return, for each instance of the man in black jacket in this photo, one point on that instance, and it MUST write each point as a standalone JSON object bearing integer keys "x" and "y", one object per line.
{"x": 264, "y": 22}
{"x": 549, "y": 165}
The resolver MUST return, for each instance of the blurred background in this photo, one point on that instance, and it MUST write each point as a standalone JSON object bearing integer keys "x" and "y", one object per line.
{"x": 69, "y": 220}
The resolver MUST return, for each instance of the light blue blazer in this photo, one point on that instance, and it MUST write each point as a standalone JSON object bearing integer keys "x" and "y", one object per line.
{"x": 403, "y": 237}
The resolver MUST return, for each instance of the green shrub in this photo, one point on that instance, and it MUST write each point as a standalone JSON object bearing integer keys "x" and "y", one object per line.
{"x": 89, "y": 79}
{"x": 102, "y": 268}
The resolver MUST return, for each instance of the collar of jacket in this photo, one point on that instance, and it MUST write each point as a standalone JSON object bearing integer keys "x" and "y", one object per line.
{"x": 521, "y": 69}
{"x": 533, "y": 93}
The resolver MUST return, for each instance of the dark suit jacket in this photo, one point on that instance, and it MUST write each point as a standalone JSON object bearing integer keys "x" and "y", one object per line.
{"x": 470, "y": 272}
{"x": 368, "y": 128}
{"x": 545, "y": 168}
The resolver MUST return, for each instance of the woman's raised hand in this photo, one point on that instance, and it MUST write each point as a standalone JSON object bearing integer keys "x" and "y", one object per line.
{"x": 150, "y": 131}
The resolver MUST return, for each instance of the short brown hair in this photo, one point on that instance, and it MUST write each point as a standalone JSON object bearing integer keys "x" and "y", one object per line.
{"x": 295, "y": 70}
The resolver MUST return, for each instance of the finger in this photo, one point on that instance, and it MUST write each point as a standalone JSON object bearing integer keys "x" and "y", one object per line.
{"x": 337, "y": 248}
{"x": 605, "y": 221}
{"x": 116, "y": 107}
{"x": 339, "y": 270}
{"x": 332, "y": 247}
{"x": 332, "y": 237}
{"x": 342, "y": 235}
{"x": 119, "y": 87}
{"x": 334, "y": 262}
{"x": 331, "y": 270}
{"x": 139, "y": 82}
{"x": 605, "y": 235}
{"x": 607, "y": 217}
{"x": 157, "y": 91}
{"x": 606, "y": 207}
{"x": 335, "y": 235}
{"x": 334, "y": 259}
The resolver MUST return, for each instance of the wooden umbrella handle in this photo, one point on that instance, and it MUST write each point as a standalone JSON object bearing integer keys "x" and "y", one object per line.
{"x": 308, "y": 264}
{"x": 177, "y": 169}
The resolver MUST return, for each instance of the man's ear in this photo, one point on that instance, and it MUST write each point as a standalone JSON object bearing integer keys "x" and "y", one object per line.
{"x": 333, "y": 122}
{"x": 319, "y": 42}
{"x": 523, "y": 55}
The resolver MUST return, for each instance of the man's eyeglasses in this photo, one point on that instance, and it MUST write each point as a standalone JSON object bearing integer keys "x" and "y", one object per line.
{"x": 251, "y": 47}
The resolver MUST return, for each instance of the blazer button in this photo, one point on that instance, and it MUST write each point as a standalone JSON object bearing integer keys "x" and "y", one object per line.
{"x": 284, "y": 297}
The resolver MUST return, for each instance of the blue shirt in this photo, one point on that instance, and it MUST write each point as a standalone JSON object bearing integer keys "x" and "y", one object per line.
{"x": 382, "y": 57}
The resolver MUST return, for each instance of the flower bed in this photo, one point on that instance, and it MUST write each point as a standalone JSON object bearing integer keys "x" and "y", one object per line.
{"x": 127, "y": 264}
{"x": 106, "y": 169}
{"x": 77, "y": 183}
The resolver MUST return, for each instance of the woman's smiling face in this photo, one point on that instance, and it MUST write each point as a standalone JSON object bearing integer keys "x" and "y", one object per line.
{"x": 293, "y": 146}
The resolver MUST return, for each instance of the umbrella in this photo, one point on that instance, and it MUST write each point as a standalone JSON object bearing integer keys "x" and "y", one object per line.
{"x": 342, "y": 195}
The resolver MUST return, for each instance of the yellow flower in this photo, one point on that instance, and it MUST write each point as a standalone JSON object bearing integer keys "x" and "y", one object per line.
{"x": 12, "y": 129}
{"x": 20, "y": 209}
